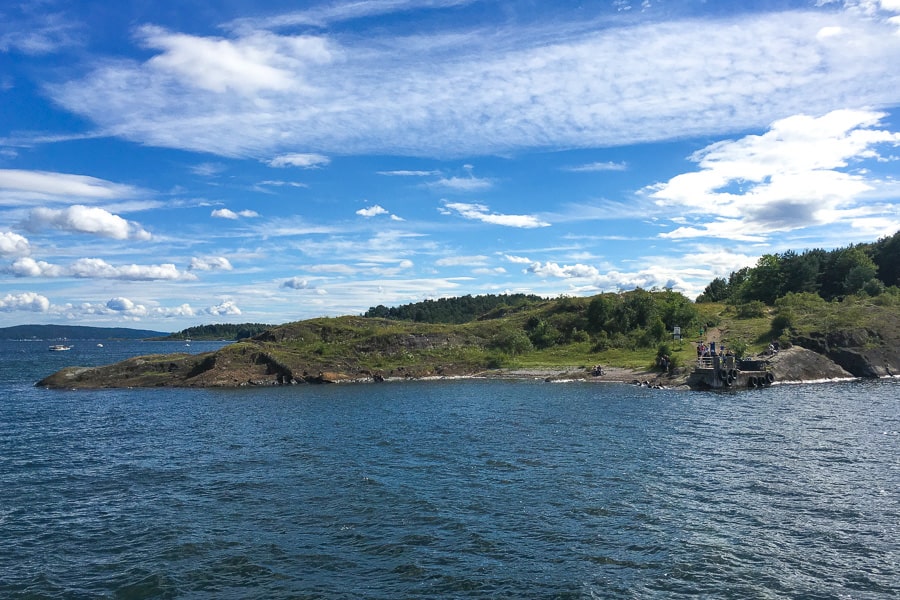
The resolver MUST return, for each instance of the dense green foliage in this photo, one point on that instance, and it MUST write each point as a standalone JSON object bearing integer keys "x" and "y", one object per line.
{"x": 635, "y": 319}
{"x": 454, "y": 310}
{"x": 862, "y": 268}
{"x": 221, "y": 331}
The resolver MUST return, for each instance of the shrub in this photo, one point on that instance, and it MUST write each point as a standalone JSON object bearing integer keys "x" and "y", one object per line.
{"x": 751, "y": 310}
{"x": 512, "y": 342}
{"x": 782, "y": 322}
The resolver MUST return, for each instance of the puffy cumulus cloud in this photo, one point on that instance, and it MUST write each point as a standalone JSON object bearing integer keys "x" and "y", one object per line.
{"x": 210, "y": 263}
{"x": 304, "y": 161}
{"x": 97, "y": 268}
{"x": 551, "y": 269}
{"x": 296, "y": 283}
{"x": 24, "y": 188}
{"x": 85, "y": 219}
{"x": 28, "y": 267}
{"x": 225, "y": 213}
{"x": 127, "y": 307}
{"x": 372, "y": 211}
{"x": 13, "y": 244}
{"x": 224, "y": 308}
{"x": 259, "y": 62}
{"x": 480, "y": 212}
{"x": 27, "y": 301}
{"x": 800, "y": 173}
{"x": 585, "y": 82}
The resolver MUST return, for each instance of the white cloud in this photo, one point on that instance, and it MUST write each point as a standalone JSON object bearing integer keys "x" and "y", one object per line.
{"x": 595, "y": 167}
{"x": 85, "y": 219}
{"x": 97, "y": 268}
{"x": 259, "y": 62}
{"x": 24, "y": 188}
{"x": 279, "y": 183}
{"x": 41, "y": 32}
{"x": 462, "y": 261}
{"x": 225, "y": 308}
{"x": 304, "y": 161}
{"x": 371, "y": 211}
{"x": 27, "y": 301}
{"x": 480, "y": 212}
{"x": 13, "y": 244}
{"x": 207, "y": 169}
{"x": 576, "y": 84}
{"x": 550, "y": 269}
{"x": 225, "y": 213}
{"x": 798, "y": 174}
{"x": 124, "y": 308}
{"x": 296, "y": 283}
{"x": 402, "y": 173}
{"x": 462, "y": 184}
{"x": 519, "y": 260}
{"x": 210, "y": 263}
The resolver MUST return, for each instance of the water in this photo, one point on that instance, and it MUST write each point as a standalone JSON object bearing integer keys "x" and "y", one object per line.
{"x": 443, "y": 489}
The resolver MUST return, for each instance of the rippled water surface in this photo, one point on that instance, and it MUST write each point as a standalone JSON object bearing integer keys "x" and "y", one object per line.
{"x": 444, "y": 489}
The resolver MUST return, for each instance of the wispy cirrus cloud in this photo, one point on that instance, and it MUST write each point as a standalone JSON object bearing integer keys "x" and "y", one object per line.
{"x": 21, "y": 187}
{"x": 596, "y": 167}
{"x": 480, "y": 212}
{"x": 473, "y": 92}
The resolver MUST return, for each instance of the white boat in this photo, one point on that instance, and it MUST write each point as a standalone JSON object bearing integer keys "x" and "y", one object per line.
{"x": 59, "y": 347}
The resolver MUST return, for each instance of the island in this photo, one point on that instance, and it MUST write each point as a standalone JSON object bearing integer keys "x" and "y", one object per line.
{"x": 600, "y": 338}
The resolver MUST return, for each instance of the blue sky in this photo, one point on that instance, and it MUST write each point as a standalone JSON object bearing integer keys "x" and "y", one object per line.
{"x": 167, "y": 164}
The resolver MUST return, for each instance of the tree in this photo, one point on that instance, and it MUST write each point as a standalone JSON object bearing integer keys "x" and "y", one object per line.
{"x": 886, "y": 255}
{"x": 765, "y": 281}
{"x": 800, "y": 272}
{"x": 599, "y": 312}
{"x": 716, "y": 291}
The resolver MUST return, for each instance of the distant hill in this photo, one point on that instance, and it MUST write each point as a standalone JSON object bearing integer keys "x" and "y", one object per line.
{"x": 75, "y": 332}
{"x": 220, "y": 331}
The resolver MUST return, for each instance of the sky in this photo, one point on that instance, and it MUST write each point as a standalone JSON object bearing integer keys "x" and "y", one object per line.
{"x": 169, "y": 164}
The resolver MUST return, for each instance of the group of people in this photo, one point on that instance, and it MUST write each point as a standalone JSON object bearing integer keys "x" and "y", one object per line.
{"x": 704, "y": 349}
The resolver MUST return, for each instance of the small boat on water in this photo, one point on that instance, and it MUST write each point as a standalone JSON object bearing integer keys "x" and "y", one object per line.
{"x": 715, "y": 372}
{"x": 59, "y": 348}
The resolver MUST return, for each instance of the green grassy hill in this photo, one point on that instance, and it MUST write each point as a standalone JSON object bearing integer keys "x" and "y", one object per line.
{"x": 566, "y": 333}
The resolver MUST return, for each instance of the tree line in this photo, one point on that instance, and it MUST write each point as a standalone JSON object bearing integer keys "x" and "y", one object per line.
{"x": 462, "y": 309}
{"x": 861, "y": 268}
{"x": 221, "y": 331}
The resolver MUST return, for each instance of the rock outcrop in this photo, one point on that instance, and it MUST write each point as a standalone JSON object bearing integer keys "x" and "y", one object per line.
{"x": 799, "y": 364}
{"x": 861, "y": 352}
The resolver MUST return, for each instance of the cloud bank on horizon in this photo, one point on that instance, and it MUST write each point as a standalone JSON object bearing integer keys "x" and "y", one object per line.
{"x": 271, "y": 164}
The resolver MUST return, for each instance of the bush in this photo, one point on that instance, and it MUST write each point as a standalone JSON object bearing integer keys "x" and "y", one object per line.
{"x": 751, "y": 310}
{"x": 782, "y": 322}
{"x": 512, "y": 342}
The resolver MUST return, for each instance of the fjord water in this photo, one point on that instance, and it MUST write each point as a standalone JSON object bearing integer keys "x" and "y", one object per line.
{"x": 443, "y": 489}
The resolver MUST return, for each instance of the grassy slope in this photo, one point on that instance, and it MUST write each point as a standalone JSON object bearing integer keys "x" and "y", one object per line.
{"x": 357, "y": 347}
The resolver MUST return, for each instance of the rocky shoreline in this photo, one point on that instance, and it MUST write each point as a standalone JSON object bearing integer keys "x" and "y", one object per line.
{"x": 792, "y": 365}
